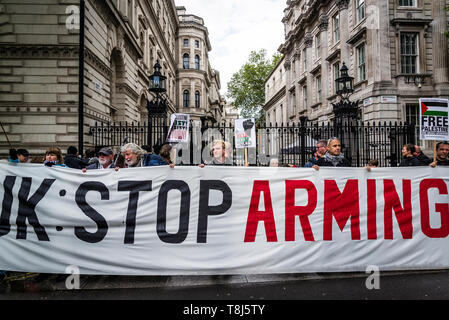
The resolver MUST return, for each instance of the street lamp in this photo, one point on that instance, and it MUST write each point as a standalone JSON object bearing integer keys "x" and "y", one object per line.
{"x": 157, "y": 108}
{"x": 345, "y": 83}
{"x": 157, "y": 80}
{"x": 345, "y": 87}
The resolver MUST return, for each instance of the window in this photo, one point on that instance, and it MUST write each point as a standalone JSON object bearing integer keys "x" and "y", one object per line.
{"x": 304, "y": 59}
{"x": 186, "y": 98}
{"x": 360, "y": 10}
{"x": 336, "y": 27}
{"x": 197, "y": 99}
{"x": 304, "y": 96}
{"x": 281, "y": 108}
{"x": 186, "y": 61}
{"x": 294, "y": 103}
{"x": 318, "y": 45}
{"x": 407, "y": 3}
{"x": 186, "y": 42}
{"x": 409, "y": 53}
{"x": 197, "y": 62}
{"x": 412, "y": 114}
{"x": 197, "y": 44}
{"x": 318, "y": 89}
{"x": 361, "y": 63}
{"x": 336, "y": 70}
{"x": 130, "y": 11}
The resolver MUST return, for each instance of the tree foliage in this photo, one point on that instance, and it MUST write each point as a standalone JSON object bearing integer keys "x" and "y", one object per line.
{"x": 246, "y": 89}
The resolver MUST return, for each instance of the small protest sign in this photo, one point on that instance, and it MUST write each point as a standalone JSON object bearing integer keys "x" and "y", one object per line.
{"x": 434, "y": 123}
{"x": 179, "y": 128}
{"x": 245, "y": 133}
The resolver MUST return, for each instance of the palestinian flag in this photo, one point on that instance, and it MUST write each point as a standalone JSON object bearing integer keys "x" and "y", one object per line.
{"x": 438, "y": 108}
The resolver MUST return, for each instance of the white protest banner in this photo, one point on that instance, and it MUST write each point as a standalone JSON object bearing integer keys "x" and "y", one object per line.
{"x": 434, "y": 121}
{"x": 179, "y": 128}
{"x": 245, "y": 133}
{"x": 222, "y": 220}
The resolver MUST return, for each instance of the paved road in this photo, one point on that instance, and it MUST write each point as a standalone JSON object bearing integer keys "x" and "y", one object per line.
{"x": 391, "y": 287}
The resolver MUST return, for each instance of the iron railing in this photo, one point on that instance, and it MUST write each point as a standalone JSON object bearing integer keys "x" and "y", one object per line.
{"x": 292, "y": 143}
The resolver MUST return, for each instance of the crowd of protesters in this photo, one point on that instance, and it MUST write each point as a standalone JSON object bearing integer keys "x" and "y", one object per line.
{"x": 129, "y": 156}
{"x": 328, "y": 154}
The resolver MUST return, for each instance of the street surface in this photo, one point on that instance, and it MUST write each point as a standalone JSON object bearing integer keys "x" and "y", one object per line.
{"x": 427, "y": 286}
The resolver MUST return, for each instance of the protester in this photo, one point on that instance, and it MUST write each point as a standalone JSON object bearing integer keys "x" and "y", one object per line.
{"x": 134, "y": 156}
{"x": 53, "y": 157}
{"x": 219, "y": 154}
{"x": 321, "y": 148}
{"x": 163, "y": 158}
{"x": 91, "y": 157}
{"x": 105, "y": 160}
{"x": 425, "y": 160}
{"x": 274, "y": 162}
{"x": 23, "y": 155}
{"x": 374, "y": 163}
{"x": 333, "y": 156}
{"x": 442, "y": 149}
{"x": 12, "y": 157}
{"x": 72, "y": 160}
{"x": 18, "y": 156}
{"x": 409, "y": 159}
{"x": 119, "y": 161}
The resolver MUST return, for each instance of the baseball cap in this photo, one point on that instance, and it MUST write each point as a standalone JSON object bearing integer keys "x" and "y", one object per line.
{"x": 106, "y": 151}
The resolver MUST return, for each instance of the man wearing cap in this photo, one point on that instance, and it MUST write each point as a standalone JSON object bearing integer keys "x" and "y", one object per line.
{"x": 105, "y": 160}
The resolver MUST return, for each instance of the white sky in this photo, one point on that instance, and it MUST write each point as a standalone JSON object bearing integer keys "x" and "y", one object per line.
{"x": 236, "y": 27}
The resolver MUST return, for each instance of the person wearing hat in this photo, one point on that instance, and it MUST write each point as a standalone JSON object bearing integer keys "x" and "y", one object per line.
{"x": 105, "y": 160}
{"x": 19, "y": 156}
{"x": 23, "y": 155}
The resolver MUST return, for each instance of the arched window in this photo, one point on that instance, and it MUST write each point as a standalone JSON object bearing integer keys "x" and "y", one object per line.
{"x": 186, "y": 98}
{"x": 197, "y": 62}
{"x": 197, "y": 99}
{"x": 186, "y": 62}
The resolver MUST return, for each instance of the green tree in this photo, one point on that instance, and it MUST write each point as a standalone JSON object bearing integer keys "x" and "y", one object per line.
{"x": 246, "y": 88}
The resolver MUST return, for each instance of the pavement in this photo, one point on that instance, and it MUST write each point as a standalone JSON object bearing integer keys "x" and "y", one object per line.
{"x": 29, "y": 283}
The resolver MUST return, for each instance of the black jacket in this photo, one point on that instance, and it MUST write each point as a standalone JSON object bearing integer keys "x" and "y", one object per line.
{"x": 444, "y": 162}
{"x": 72, "y": 161}
{"x": 424, "y": 159}
{"x": 322, "y": 162}
{"x": 411, "y": 162}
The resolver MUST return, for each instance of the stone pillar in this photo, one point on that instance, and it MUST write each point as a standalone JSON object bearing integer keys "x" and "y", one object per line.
{"x": 326, "y": 79}
{"x": 440, "y": 42}
{"x": 344, "y": 31}
{"x": 378, "y": 42}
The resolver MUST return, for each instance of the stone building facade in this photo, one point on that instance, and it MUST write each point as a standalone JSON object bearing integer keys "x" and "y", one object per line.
{"x": 38, "y": 75}
{"x": 198, "y": 84}
{"x": 395, "y": 50}
{"x": 39, "y": 50}
{"x": 275, "y": 95}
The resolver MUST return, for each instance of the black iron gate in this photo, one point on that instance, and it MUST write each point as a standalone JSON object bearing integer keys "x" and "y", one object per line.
{"x": 293, "y": 143}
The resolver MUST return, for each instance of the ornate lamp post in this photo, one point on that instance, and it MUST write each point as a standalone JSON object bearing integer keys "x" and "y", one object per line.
{"x": 345, "y": 109}
{"x": 157, "y": 108}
